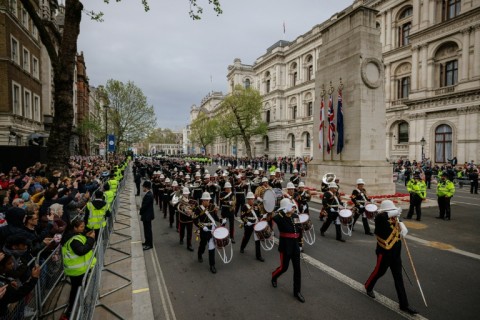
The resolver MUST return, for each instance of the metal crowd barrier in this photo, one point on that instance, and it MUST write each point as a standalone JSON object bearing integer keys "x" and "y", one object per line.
{"x": 32, "y": 306}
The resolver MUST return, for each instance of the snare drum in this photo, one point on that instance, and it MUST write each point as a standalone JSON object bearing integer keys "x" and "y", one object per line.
{"x": 371, "y": 211}
{"x": 305, "y": 221}
{"x": 345, "y": 216}
{"x": 221, "y": 237}
{"x": 262, "y": 230}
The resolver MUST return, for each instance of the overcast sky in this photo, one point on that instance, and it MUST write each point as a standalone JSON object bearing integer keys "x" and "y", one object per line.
{"x": 177, "y": 61}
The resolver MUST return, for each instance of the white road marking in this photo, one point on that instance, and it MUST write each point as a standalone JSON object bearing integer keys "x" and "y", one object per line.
{"x": 357, "y": 286}
{"x": 428, "y": 242}
{"x": 162, "y": 286}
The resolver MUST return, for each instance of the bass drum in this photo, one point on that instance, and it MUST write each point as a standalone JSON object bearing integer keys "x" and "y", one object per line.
{"x": 269, "y": 200}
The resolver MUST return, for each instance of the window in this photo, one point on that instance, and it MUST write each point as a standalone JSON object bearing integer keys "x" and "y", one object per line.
{"x": 406, "y": 13}
{"x": 294, "y": 112}
{"x": 16, "y": 99}
{"x": 450, "y": 9}
{"x": 310, "y": 73}
{"x": 247, "y": 83}
{"x": 267, "y": 82}
{"x": 35, "y": 67}
{"x": 443, "y": 143}
{"x": 26, "y": 60}
{"x": 403, "y": 132}
{"x": 267, "y": 116}
{"x": 403, "y": 88}
{"x": 294, "y": 80}
{"x": 35, "y": 32}
{"x": 24, "y": 18}
{"x": 267, "y": 143}
{"x": 27, "y": 104}
{"x": 310, "y": 109}
{"x": 36, "y": 107}
{"x": 449, "y": 73}
{"x": 13, "y": 7}
{"x": 307, "y": 140}
{"x": 15, "y": 50}
{"x": 404, "y": 34}
{"x": 292, "y": 141}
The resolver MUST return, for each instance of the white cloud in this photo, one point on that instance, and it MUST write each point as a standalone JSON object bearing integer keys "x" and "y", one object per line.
{"x": 171, "y": 58}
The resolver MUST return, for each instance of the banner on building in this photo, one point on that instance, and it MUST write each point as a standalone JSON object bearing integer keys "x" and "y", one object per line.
{"x": 111, "y": 143}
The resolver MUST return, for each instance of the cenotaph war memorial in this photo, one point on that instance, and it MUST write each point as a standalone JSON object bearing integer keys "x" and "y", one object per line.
{"x": 350, "y": 141}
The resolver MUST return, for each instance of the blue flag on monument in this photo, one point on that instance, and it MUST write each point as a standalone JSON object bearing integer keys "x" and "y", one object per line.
{"x": 340, "y": 123}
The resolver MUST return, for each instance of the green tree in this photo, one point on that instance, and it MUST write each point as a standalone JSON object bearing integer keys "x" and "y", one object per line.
{"x": 203, "y": 130}
{"x": 61, "y": 47}
{"x": 129, "y": 113}
{"x": 240, "y": 116}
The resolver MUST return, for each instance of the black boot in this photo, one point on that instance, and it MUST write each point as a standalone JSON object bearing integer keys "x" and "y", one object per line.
{"x": 338, "y": 230}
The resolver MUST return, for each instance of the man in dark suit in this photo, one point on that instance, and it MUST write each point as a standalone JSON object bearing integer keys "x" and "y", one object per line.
{"x": 147, "y": 214}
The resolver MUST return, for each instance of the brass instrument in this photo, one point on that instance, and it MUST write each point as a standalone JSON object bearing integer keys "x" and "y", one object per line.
{"x": 187, "y": 206}
{"x": 328, "y": 178}
{"x": 175, "y": 197}
{"x": 212, "y": 207}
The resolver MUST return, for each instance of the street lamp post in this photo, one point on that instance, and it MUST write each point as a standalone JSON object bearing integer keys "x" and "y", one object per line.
{"x": 422, "y": 143}
{"x": 106, "y": 130}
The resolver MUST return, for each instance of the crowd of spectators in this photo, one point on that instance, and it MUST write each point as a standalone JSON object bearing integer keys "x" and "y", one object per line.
{"x": 462, "y": 174}
{"x": 35, "y": 210}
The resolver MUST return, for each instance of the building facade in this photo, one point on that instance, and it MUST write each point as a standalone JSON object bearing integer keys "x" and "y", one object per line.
{"x": 21, "y": 107}
{"x": 431, "y": 53}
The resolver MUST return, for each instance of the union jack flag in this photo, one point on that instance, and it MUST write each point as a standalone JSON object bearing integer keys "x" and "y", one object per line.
{"x": 331, "y": 124}
{"x": 322, "y": 124}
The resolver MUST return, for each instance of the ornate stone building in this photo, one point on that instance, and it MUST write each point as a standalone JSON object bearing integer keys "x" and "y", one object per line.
{"x": 431, "y": 54}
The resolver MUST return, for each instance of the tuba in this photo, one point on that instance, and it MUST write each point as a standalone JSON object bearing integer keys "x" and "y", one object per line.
{"x": 234, "y": 203}
{"x": 328, "y": 177}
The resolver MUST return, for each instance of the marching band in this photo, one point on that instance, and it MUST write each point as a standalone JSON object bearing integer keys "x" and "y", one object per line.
{"x": 210, "y": 201}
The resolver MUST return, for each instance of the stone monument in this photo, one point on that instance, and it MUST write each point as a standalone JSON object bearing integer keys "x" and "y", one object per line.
{"x": 351, "y": 58}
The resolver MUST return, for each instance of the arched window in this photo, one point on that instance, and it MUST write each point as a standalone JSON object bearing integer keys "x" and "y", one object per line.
{"x": 403, "y": 87}
{"x": 292, "y": 141}
{"x": 443, "y": 143}
{"x": 446, "y": 59}
{"x": 405, "y": 25}
{"x": 307, "y": 140}
{"x": 267, "y": 142}
{"x": 309, "y": 62}
{"x": 294, "y": 73}
{"x": 267, "y": 82}
{"x": 247, "y": 83}
{"x": 294, "y": 112}
{"x": 267, "y": 116}
{"x": 403, "y": 132}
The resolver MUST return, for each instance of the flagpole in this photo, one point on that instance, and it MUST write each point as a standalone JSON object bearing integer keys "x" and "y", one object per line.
{"x": 330, "y": 92}
{"x": 322, "y": 116}
{"x": 340, "y": 93}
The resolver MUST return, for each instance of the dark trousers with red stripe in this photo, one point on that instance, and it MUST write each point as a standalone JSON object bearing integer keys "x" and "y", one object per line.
{"x": 392, "y": 259}
{"x": 284, "y": 262}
